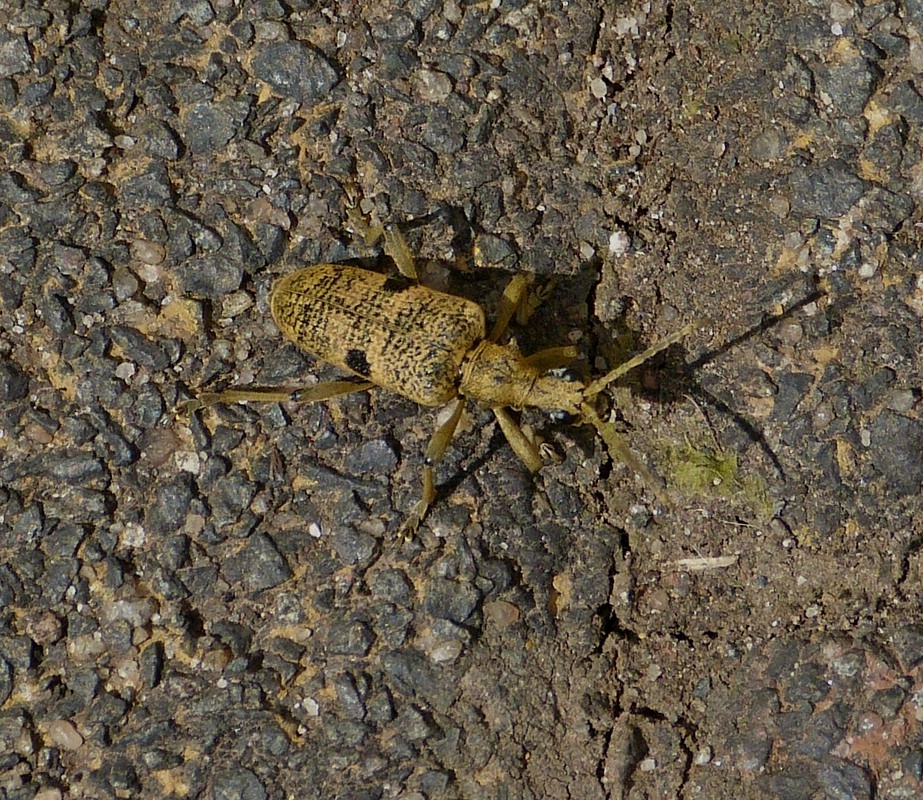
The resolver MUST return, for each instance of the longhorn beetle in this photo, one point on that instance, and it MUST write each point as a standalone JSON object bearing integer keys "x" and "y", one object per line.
{"x": 432, "y": 348}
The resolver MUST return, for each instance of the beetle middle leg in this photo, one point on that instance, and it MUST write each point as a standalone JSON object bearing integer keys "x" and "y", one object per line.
{"x": 520, "y": 298}
{"x": 434, "y": 453}
{"x": 510, "y": 301}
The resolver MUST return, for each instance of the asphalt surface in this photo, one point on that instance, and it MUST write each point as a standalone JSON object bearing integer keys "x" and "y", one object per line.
{"x": 216, "y": 605}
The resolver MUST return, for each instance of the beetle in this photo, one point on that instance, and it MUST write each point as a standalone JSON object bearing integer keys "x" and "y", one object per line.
{"x": 431, "y": 347}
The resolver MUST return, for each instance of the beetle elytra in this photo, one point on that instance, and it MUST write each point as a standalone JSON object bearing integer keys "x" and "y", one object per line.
{"x": 433, "y": 348}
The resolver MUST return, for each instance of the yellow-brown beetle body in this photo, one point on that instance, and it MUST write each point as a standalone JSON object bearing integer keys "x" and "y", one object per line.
{"x": 427, "y": 345}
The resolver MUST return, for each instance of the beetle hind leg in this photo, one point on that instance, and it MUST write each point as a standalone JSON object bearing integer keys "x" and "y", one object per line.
{"x": 321, "y": 391}
{"x": 397, "y": 249}
{"x": 393, "y": 242}
{"x": 434, "y": 453}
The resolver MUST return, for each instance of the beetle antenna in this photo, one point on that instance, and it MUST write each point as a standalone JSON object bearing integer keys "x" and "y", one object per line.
{"x": 601, "y": 383}
{"x": 619, "y": 449}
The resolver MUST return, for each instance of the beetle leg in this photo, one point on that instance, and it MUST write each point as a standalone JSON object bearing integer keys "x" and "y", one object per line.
{"x": 552, "y": 358}
{"x": 521, "y": 297}
{"x": 322, "y": 391}
{"x": 371, "y": 233}
{"x": 533, "y": 300}
{"x": 395, "y": 246}
{"x": 434, "y": 453}
{"x": 510, "y": 302}
{"x": 521, "y": 444}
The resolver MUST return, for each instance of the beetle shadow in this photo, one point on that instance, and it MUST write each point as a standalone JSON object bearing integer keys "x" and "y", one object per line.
{"x": 454, "y": 474}
{"x": 684, "y": 382}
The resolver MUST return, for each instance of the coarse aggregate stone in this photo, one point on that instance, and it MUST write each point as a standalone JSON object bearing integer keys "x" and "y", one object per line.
{"x": 217, "y": 605}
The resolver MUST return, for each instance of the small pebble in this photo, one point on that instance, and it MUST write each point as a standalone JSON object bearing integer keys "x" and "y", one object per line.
{"x": 619, "y": 242}
{"x": 501, "y": 613}
{"x": 125, "y": 371}
{"x": 151, "y": 253}
{"x": 598, "y": 88}
{"x": 63, "y": 734}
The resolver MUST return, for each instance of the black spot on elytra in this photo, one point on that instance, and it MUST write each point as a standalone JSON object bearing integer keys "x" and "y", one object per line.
{"x": 358, "y": 363}
{"x": 396, "y": 283}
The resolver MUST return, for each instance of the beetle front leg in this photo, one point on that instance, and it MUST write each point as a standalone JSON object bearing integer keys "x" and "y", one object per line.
{"x": 521, "y": 444}
{"x": 551, "y": 358}
{"x": 434, "y": 453}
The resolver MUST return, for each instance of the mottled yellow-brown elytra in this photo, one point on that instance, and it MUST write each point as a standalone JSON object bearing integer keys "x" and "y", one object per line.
{"x": 389, "y": 330}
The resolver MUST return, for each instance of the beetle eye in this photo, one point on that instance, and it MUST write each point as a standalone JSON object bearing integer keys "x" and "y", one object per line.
{"x": 563, "y": 373}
